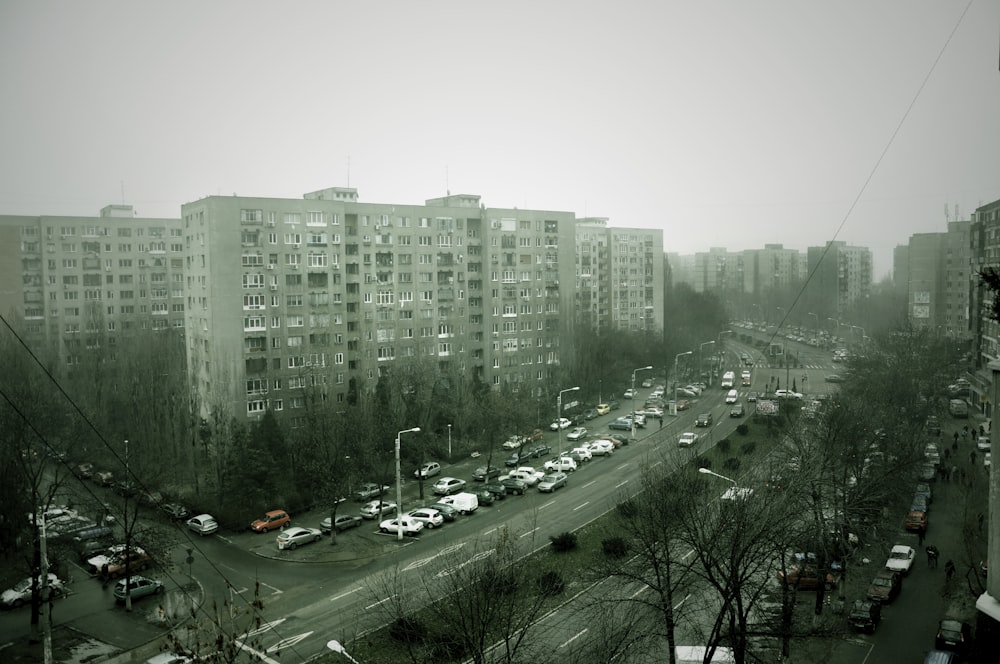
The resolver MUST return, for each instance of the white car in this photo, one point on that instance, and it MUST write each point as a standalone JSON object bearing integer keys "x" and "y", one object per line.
{"x": 427, "y": 516}
{"x": 408, "y": 525}
{"x": 687, "y": 439}
{"x": 564, "y": 464}
{"x": 203, "y": 524}
{"x": 21, "y": 593}
{"x": 561, "y": 423}
{"x": 293, "y": 537}
{"x": 529, "y": 478}
{"x": 371, "y": 510}
{"x": 787, "y": 394}
{"x": 429, "y": 469}
{"x": 576, "y": 434}
{"x": 983, "y": 444}
{"x": 602, "y": 448}
{"x": 581, "y": 454}
{"x": 448, "y": 485}
{"x": 630, "y": 393}
{"x": 513, "y": 443}
{"x": 900, "y": 559}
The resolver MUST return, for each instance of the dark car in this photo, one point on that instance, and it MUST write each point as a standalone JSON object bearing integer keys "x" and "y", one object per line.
{"x": 342, "y": 523}
{"x": 933, "y": 426}
{"x": 447, "y": 511}
{"x": 919, "y": 503}
{"x": 485, "y": 496}
{"x": 512, "y": 485}
{"x": 885, "y": 586}
{"x": 953, "y": 635}
{"x": 614, "y": 405}
{"x": 497, "y": 489}
{"x": 539, "y": 451}
{"x": 703, "y": 420}
{"x": 737, "y": 410}
{"x": 865, "y": 615}
{"x": 518, "y": 458}
{"x": 175, "y": 511}
{"x": 483, "y": 473}
{"x": 916, "y": 521}
{"x": 807, "y": 578}
{"x": 589, "y": 414}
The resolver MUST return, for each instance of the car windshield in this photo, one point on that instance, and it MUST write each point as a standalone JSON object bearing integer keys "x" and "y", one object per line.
{"x": 899, "y": 555}
{"x": 882, "y": 581}
{"x": 22, "y": 586}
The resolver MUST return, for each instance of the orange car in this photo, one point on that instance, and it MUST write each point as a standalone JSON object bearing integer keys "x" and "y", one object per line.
{"x": 916, "y": 521}
{"x": 272, "y": 520}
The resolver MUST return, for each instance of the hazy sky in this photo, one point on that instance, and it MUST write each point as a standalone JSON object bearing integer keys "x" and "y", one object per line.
{"x": 727, "y": 124}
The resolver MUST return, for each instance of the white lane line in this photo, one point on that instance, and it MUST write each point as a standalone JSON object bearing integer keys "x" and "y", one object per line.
{"x": 589, "y": 483}
{"x": 541, "y": 507}
{"x": 381, "y": 601}
{"x": 343, "y": 595}
{"x": 621, "y": 484}
{"x": 573, "y": 638}
{"x": 581, "y": 506}
{"x": 529, "y": 532}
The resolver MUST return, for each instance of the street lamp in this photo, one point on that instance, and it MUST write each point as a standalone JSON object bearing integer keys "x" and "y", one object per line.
{"x": 449, "y": 442}
{"x": 399, "y": 491}
{"x": 706, "y": 471}
{"x": 722, "y": 352}
{"x": 701, "y": 358}
{"x": 336, "y": 647}
{"x": 632, "y": 418}
{"x": 559, "y": 415}
{"x": 676, "y": 376}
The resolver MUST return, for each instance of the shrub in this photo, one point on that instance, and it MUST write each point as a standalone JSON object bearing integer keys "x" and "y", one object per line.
{"x": 732, "y": 463}
{"x": 627, "y": 508}
{"x": 748, "y": 447}
{"x": 614, "y": 547}
{"x": 563, "y": 542}
{"x": 743, "y": 429}
{"x": 551, "y": 583}
{"x": 407, "y": 630}
{"x": 724, "y": 445}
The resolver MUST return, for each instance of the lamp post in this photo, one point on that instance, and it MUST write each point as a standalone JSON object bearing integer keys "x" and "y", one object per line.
{"x": 706, "y": 471}
{"x": 632, "y": 418}
{"x": 701, "y": 358}
{"x": 399, "y": 489}
{"x": 676, "y": 382}
{"x": 336, "y": 647}
{"x": 837, "y": 321}
{"x": 559, "y": 415}
{"x": 722, "y": 352}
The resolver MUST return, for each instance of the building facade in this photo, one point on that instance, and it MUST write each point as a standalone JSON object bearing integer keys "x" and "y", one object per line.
{"x": 938, "y": 277}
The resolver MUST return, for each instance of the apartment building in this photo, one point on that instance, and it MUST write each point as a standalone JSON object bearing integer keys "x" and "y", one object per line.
{"x": 938, "y": 274}
{"x": 82, "y": 283}
{"x": 619, "y": 277}
{"x": 328, "y": 291}
{"x": 839, "y": 276}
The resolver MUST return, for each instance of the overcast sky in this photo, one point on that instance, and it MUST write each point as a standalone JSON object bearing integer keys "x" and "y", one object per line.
{"x": 727, "y": 124}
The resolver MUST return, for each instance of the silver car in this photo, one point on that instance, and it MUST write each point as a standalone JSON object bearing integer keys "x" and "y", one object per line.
{"x": 551, "y": 482}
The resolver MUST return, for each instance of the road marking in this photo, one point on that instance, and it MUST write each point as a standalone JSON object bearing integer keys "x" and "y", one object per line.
{"x": 621, "y": 484}
{"x": 681, "y": 603}
{"x": 287, "y": 643}
{"x": 256, "y": 653}
{"x": 272, "y": 588}
{"x": 381, "y": 601}
{"x": 581, "y": 506}
{"x": 240, "y": 591}
{"x": 638, "y": 592}
{"x": 573, "y": 638}
{"x": 589, "y": 483}
{"x": 343, "y": 595}
{"x": 529, "y": 532}
{"x": 541, "y": 507}
{"x": 490, "y": 531}
{"x": 623, "y": 466}
{"x": 266, "y": 626}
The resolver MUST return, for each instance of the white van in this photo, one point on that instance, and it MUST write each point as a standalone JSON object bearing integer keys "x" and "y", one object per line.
{"x": 728, "y": 379}
{"x": 732, "y": 396}
{"x": 746, "y": 378}
{"x": 466, "y": 503}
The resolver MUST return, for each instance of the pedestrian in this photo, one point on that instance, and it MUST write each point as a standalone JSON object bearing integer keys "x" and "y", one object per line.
{"x": 949, "y": 570}
{"x": 932, "y": 555}
{"x": 972, "y": 458}
{"x": 955, "y": 446}
{"x": 661, "y": 422}
{"x": 105, "y": 576}
{"x": 920, "y": 537}
{"x": 954, "y": 472}
{"x": 980, "y": 518}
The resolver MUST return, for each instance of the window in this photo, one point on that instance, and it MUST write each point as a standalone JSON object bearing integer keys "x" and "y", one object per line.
{"x": 296, "y": 320}
{"x": 250, "y": 301}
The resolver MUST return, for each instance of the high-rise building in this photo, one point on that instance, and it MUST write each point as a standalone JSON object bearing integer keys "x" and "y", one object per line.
{"x": 839, "y": 276}
{"x": 938, "y": 280}
{"x": 80, "y": 283}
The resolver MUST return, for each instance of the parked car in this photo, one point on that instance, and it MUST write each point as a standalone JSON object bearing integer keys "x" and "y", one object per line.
{"x": 561, "y": 423}
{"x": 919, "y": 503}
{"x": 429, "y": 469}
{"x": 513, "y": 443}
{"x": 602, "y": 448}
{"x": 203, "y": 524}
{"x": 484, "y": 496}
{"x": 377, "y": 508}
{"x": 621, "y": 423}
{"x": 580, "y": 454}
{"x": 703, "y": 420}
{"x": 496, "y": 489}
{"x": 603, "y": 409}
{"x": 526, "y": 474}
{"x": 410, "y": 527}
{"x": 925, "y": 488}
{"x": 104, "y": 478}
{"x": 514, "y": 485}
{"x": 539, "y": 451}
{"x": 916, "y": 521}
{"x": 576, "y": 434}
{"x": 291, "y": 538}
{"x": 687, "y": 439}
{"x": 865, "y": 615}
{"x": 448, "y": 512}
{"x": 885, "y": 586}
{"x": 589, "y": 414}
{"x": 564, "y": 464}
{"x": 115, "y": 559}
{"x": 84, "y": 471}
{"x": 342, "y": 523}
{"x": 900, "y": 559}
{"x": 370, "y": 491}
{"x": 551, "y": 482}
{"x": 273, "y": 520}
{"x": 137, "y": 588}
{"x": 20, "y": 594}
{"x": 517, "y": 458}
{"x": 630, "y": 393}
{"x": 953, "y": 635}
{"x": 613, "y": 404}
{"x": 431, "y": 518}
{"x": 483, "y": 473}
{"x": 175, "y": 511}
{"x": 448, "y": 485}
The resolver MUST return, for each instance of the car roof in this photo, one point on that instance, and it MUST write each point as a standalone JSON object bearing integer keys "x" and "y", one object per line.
{"x": 901, "y": 548}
